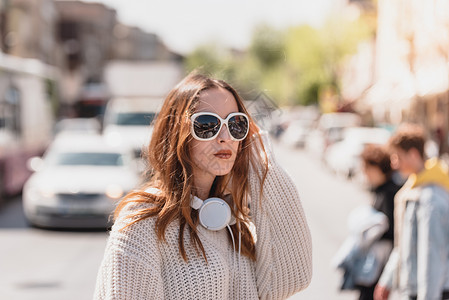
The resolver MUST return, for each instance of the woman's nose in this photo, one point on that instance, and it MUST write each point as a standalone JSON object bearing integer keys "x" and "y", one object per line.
{"x": 223, "y": 135}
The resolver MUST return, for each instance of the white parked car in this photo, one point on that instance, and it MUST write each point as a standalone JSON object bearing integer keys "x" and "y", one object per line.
{"x": 78, "y": 182}
{"x": 329, "y": 130}
{"x": 343, "y": 157}
{"x": 296, "y": 133}
{"x": 128, "y": 121}
{"x": 77, "y": 125}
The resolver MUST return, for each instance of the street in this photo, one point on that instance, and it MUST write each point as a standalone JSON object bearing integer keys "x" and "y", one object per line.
{"x": 46, "y": 264}
{"x": 40, "y": 264}
{"x": 327, "y": 201}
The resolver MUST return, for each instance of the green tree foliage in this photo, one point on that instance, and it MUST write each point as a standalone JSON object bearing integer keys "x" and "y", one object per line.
{"x": 267, "y": 46}
{"x": 317, "y": 55}
{"x": 293, "y": 66}
{"x": 210, "y": 59}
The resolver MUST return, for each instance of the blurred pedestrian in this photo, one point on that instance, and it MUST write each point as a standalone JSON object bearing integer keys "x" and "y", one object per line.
{"x": 378, "y": 172}
{"x": 419, "y": 263}
{"x": 170, "y": 242}
{"x": 365, "y": 252}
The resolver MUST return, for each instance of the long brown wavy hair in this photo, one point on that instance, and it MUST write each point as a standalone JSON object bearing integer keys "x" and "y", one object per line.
{"x": 170, "y": 169}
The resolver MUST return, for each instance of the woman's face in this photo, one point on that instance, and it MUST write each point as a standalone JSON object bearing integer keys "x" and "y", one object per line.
{"x": 215, "y": 157}
{"x": 374, "y": 175}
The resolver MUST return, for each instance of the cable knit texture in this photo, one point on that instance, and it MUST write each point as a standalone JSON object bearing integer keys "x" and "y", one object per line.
{"x": 137, "y": 266}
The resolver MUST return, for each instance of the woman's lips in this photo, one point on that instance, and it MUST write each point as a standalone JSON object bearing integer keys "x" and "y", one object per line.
{"x": 223, "y": 154}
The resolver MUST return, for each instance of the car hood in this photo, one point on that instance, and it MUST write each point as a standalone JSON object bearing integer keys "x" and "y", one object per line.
{"x": 84, "y": 179}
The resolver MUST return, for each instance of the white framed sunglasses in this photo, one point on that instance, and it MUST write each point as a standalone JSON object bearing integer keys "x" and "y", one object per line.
{"x": 207, "y": 125}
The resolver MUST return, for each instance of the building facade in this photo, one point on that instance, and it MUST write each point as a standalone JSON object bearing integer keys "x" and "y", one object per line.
{"x": 28, "y": 30}
{"x": 132, "y": 43}
{"x": 92, "y": 37}
{"x": 411, "y": 66}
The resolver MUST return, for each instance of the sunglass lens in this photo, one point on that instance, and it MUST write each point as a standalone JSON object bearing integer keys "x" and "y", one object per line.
{"x": 206, "y": 126}
{"x": 238, "y": 126}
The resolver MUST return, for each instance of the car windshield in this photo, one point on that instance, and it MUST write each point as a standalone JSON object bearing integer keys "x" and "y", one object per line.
{"x": 87, "y": 159}
{"x": 135, "y": 118}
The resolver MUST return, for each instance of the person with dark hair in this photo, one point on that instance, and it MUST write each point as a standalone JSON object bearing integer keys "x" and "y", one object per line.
{"x": 217, "y": 218}
{"x": 419, "y": 263}
{"x": 378, "y": 172}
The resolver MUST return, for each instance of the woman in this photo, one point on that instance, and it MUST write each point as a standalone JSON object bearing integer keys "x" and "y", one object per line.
{"x": 204, "y": 145}
{"x": 378, "y": 172}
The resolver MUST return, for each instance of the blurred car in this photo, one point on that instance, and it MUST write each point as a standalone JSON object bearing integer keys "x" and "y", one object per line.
{"x": 343, "y": 157}
{"x": 78, "y": 182}
{"x": 128, "y": 121}
{"x": 77, "y": 125}
{"x": 329, "y": 130}
{"x": 296, "y": 133}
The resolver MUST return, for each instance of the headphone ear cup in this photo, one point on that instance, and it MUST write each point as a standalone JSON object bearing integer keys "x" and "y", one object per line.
{"x": 215, "y": 214}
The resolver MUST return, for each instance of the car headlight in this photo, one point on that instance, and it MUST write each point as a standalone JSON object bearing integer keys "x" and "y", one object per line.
{"x": 114, "y": 191}
{"x": 47, "y": 193}
{"x": 39, "y": 193}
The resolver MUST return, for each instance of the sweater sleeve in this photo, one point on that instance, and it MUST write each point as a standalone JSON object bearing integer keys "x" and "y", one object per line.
{"x": 131, "y": 267}
{"x": 284, "y": 246}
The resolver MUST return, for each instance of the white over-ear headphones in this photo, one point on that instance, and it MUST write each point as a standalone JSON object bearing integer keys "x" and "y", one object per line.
{"x": 214, "y": 213}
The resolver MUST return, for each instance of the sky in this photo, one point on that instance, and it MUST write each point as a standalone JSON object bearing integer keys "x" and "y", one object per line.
{"x": 184, "y": 24}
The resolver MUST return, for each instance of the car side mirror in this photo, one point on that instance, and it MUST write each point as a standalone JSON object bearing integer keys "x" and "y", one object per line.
{"x": 35, "y": 163}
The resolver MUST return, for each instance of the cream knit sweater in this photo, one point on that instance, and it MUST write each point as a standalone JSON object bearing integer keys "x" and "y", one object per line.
{"x": 137, "y": 266}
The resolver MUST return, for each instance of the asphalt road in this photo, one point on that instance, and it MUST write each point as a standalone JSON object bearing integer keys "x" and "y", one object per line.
{"x": 40, "y": 264}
